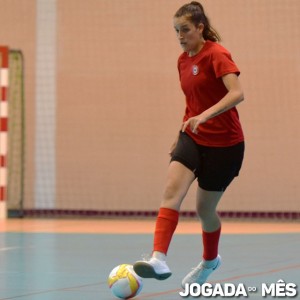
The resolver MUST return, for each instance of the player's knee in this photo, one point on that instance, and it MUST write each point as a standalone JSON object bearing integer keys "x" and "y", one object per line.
{"x": 169, "y": 193}
{"x": 202, "y": 214}
{"x": 172, "y": 193}
{"x": 205, "y": 212}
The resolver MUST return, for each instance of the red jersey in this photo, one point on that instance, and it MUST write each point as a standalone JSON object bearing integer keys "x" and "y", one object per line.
{"x": 201, "y": 82}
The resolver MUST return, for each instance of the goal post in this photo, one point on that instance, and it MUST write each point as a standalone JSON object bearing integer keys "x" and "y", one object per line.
{"x": 16, "y": 135}
{"x": 4, "y": 58}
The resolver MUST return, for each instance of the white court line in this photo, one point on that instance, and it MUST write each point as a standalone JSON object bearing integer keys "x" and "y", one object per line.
{"x": 13, "y": 248}
{"x": 9, "y": 248}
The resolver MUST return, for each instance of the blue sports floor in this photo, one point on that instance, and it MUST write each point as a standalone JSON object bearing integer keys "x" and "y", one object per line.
{"x": 74, "y": 266}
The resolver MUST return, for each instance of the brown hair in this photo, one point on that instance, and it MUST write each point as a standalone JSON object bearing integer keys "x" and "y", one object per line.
{"x": 194, "y": 11}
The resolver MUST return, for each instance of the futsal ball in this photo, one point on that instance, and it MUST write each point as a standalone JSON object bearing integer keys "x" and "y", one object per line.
{"x": 123, "y": 282}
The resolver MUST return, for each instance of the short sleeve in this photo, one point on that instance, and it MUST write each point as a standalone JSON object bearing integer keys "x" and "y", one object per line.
{"x": 223, "y": 63}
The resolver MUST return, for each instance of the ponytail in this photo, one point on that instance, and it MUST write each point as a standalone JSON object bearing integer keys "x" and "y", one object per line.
{"x": 194, "y": 11}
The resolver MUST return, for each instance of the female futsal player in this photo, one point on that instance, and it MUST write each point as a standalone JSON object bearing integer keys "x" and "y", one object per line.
{"x": 210, "y": 145}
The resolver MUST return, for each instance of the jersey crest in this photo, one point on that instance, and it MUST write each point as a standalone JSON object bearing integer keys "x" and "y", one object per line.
{"x": 195, "y": 70}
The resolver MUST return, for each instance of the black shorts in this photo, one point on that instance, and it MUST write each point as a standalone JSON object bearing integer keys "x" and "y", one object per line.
{"x": 214, "y": 167}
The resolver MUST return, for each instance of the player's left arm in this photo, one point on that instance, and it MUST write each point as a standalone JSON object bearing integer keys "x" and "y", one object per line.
{"x": 233, "y": 97}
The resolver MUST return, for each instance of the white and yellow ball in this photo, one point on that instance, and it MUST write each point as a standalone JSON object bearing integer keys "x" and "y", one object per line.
{"x": 123, "y": 282}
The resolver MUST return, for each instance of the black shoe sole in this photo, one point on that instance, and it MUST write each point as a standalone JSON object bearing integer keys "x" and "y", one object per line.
{"x": 145, "y": 270}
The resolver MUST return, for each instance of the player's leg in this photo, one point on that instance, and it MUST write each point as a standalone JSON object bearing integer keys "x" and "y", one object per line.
{"x": 219, "y": 168}
{"x": 206, "y": 205}
{"x": 207, "y": 202}
{"x": 179, "y": 179}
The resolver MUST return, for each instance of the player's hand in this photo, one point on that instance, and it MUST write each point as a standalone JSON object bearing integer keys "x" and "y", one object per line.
{"x": 194, "y": 122}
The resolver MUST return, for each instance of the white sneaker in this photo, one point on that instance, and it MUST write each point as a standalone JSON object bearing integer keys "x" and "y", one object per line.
{"x": 200, "y": 273}
{"x": 153, "y": 268}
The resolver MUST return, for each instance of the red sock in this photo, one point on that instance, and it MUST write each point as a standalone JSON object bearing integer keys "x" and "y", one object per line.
{"x": 210, "y": 244}
{"x": 166, "y": 224}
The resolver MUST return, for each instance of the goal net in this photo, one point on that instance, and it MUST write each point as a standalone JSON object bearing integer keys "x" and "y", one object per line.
{"x": 12, "y": 131}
